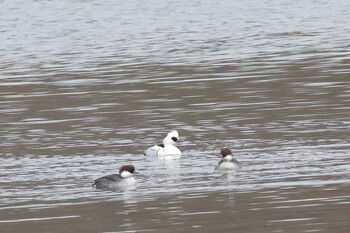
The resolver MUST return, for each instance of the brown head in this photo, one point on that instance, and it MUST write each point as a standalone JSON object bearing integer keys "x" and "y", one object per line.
{"x": 127, "y": 168}
{"x": 225, "y": 151}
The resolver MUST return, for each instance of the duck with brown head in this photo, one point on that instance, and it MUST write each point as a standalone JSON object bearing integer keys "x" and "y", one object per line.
{"x": 123, "y": 180}
{"x": 227, "y": 163}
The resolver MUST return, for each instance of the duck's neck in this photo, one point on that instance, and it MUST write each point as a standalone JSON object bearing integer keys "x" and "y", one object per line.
{"x": 228, "y": 158}
{"x": 169, "y": 146}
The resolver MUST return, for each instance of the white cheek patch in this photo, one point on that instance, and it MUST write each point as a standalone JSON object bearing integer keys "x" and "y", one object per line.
{"x": 168, "y": 141}
{"x": 125, "y": 174}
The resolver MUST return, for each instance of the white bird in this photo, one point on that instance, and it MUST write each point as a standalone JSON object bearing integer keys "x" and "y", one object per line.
{"x": 166, "y": 150}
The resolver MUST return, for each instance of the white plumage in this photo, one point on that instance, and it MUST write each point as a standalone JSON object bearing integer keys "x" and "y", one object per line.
{"x": 168, "y": 149}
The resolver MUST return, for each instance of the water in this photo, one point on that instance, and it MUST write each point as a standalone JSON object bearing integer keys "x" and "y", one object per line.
{"x": 87, "y": 85}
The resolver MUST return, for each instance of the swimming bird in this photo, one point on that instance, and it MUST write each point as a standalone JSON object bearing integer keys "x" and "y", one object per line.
{"x": 227, "y": 163}
{"x": 123, "y": 180}
{"x": 166, "y": 150}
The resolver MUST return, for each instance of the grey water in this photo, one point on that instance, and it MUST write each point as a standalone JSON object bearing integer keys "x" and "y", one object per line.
{"x": 87, "y": 85}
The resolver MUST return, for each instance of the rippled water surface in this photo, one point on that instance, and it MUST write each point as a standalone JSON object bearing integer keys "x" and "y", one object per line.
{"x": 86, "y": 86}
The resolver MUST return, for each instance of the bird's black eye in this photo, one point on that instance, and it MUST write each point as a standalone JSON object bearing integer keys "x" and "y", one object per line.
{"x": 174, "y": 139}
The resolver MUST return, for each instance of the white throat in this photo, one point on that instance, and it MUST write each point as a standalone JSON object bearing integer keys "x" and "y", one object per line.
{"x": 125, "y": 174}
{"x": 228, "y": 157}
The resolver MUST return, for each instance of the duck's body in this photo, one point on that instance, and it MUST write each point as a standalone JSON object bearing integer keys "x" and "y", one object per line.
{"x": 166, "y": 150}
{"x": 123, "y": 180}
{"x": 227, "y": 163}
{"x": 153, "y": 150}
